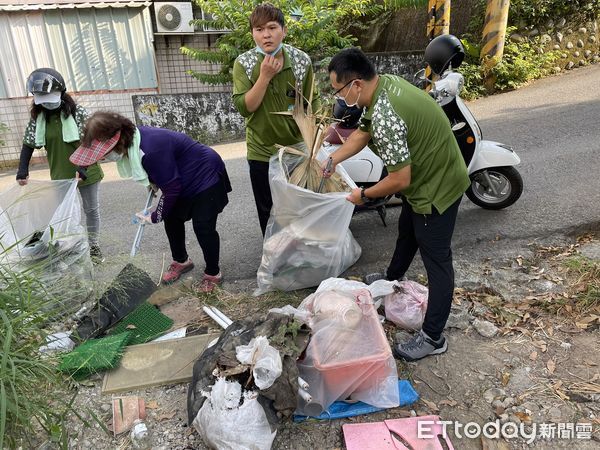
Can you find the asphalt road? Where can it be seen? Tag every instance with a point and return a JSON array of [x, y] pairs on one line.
[[553, 125]]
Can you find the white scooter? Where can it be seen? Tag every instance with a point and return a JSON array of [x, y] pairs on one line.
[[495, 183]]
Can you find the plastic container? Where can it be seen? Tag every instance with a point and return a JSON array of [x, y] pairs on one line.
[[356, 363], [140, 436]]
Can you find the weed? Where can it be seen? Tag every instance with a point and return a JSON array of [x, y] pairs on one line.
[[586, 283]]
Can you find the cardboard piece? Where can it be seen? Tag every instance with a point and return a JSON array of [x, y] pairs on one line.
[[126, 410], [156, 364], [393, 434]]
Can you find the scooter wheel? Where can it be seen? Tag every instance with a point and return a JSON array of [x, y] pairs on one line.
[[505, 189]]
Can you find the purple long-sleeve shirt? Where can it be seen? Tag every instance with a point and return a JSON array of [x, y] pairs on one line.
[[178, 165]]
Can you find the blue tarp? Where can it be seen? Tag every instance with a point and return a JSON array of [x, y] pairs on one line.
[[341, 409]]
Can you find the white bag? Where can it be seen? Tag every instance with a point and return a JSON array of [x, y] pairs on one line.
[[307, 238], [224, 424], [264, 359]]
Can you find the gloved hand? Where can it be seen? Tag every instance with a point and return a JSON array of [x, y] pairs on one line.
[[81, 173], [142, 217]]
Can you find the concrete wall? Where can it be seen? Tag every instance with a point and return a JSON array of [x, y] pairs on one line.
[[209, 118]]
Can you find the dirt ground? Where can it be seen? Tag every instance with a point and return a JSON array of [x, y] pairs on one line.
[[539, 364]]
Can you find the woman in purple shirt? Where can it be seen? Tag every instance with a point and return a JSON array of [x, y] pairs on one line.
[[191, 176]]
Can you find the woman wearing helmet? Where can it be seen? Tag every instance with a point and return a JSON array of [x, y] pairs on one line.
[[57, 125]]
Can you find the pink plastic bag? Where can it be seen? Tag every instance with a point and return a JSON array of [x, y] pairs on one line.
[[406, 307]]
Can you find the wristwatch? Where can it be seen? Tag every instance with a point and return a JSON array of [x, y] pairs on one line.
[[363, 197]]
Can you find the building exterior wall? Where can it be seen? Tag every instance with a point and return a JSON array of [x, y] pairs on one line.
[[172, 64], [106, 55], [93, 48]]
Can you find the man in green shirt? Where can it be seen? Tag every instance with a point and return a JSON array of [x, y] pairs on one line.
[[267, 79], [412, 135]]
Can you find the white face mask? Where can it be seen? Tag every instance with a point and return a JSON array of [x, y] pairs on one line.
[[51, 106], [113, 156], [273, 53], [343, 98]]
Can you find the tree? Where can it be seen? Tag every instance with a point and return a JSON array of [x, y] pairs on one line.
[[316, 27]]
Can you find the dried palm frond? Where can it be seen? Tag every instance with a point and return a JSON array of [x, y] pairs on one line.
[[308, 174]]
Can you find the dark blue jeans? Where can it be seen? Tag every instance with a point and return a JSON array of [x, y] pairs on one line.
[[431, 234]]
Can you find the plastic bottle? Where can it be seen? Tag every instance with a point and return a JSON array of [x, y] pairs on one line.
[[140, 436]]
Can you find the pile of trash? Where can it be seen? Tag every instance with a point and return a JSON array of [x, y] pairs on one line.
[[247, 382], [300, 361]]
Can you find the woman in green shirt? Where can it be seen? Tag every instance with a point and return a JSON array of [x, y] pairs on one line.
[[57, 125]]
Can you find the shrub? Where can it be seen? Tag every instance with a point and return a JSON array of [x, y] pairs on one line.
[[520, 64]]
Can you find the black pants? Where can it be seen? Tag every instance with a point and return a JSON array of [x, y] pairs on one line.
[[259, 178], [431, 234], [203, 210]]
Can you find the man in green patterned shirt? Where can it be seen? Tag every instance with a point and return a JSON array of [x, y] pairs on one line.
[[412, 135], [267, 79]]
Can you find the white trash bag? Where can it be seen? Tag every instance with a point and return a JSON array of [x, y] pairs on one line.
[[264, 359], [225, 424], [307, 238]]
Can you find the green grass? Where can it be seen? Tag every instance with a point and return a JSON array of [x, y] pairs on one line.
[[586, 273], [30, 387], [35, 399]]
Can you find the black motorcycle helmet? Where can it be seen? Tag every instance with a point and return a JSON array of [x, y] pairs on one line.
[[44, 81], [443, 51], [349, 116]]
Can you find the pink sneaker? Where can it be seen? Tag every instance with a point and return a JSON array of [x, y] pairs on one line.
[[209, 282], [175, 271]]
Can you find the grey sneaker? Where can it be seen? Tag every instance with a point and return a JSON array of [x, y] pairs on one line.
[[370, 278], [96, 254], [420, 346]]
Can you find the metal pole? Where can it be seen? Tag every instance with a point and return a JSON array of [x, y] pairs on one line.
[[438, 23], [140, 231], [494, 31]]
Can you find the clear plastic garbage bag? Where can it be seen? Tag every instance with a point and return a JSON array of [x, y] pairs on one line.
[[307, 238], [348, 355], [41, 233]]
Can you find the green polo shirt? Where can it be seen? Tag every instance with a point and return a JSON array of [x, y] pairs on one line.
[[58, 151], [264, 129], [408, 127]]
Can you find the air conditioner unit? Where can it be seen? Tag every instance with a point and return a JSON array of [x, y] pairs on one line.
[[173, 18]]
